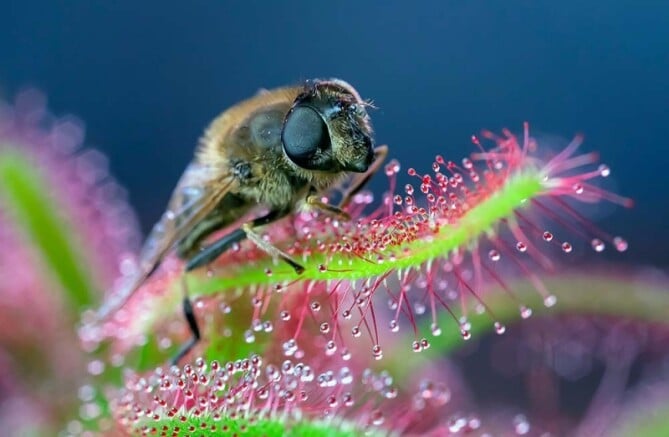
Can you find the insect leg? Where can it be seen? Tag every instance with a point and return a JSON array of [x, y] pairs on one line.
[[189, 314], [315, 201], [215, 249], [357, 184]]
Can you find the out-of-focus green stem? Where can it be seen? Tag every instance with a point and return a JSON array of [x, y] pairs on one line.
[[577, 294], [26, 195]]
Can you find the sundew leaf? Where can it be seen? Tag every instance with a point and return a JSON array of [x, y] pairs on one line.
[[274, 427], [478, 221], [25, 194]]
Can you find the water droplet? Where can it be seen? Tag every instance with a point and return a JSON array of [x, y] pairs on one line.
[[345, 376], [620, 244], [604, 170], [330, 348], [521, 425], [455, 424], [578, 188], [419, 308], [415, 346], [466, 335], [376, 417], [96, 367], [597, 245], [394, 326], [494, 255], [521, 247], [547, 236], [377, 352], [550, 300], [249, 337], [355, 331], [285, 315], [525, 312], [289, 347], [436, 330], [500, 328], [567, 247]]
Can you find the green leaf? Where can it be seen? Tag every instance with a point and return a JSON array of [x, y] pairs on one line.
[[26, 195]]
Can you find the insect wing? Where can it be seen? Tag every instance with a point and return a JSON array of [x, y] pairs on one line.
[[199, 190]]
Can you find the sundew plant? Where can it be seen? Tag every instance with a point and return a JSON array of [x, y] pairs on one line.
[[484, 258]]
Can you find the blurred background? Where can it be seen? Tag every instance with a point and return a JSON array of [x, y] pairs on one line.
[[147, 77]]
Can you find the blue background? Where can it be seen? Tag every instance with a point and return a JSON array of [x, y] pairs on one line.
[[148, 76]]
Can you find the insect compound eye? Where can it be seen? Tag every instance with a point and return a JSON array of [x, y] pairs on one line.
[[304, 135]]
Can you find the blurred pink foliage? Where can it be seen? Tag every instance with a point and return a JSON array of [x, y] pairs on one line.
[[40, 357]]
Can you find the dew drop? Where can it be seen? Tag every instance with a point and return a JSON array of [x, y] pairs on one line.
[[578, 188], [394, 326], [494, 255], [567, 247], [377, 418], [419, 308], [500, 328], [597, 245], [325, 327], [620, 244], [268, 326], [285, 315], [604, 170], [521, 425], [525, 312], [249, 337], [456, 424], [355, 331], [289, 347], [96, 367], [521, 247], [268, 272], [466, 334], [436, 330], [547, 236], [550, 300], [377, 352], [415, 346]]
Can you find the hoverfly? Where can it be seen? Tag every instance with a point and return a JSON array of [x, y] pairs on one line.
[[274, 150]]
